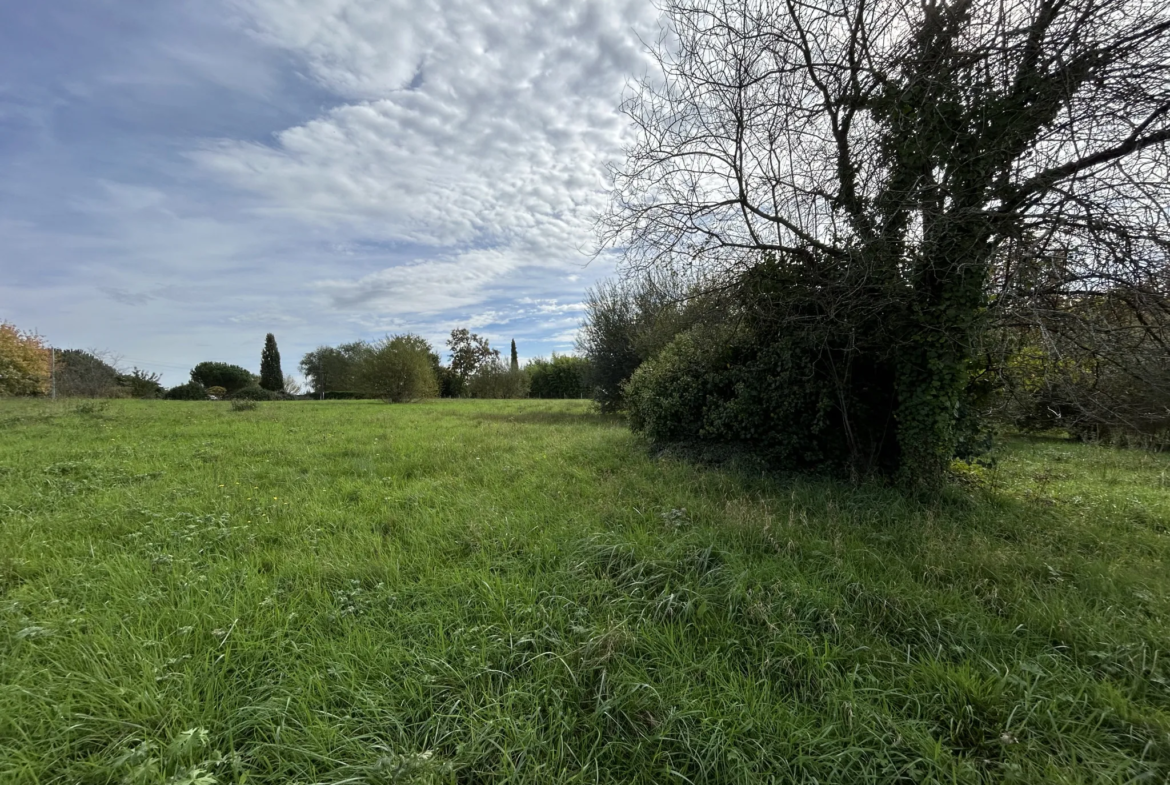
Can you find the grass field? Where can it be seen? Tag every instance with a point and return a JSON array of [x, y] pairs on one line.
[[473, 592]]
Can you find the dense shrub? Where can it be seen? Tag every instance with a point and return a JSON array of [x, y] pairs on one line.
[[725, 385], [217, 392], [564, 376], [253, 392], [629, 322], [230, 377], [399, 369], [191, 391], [82, 374], [494, 379]]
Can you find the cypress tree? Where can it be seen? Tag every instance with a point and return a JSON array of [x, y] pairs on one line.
[[271, 377], [515, 359]]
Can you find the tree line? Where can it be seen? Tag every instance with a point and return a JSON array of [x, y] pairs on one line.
[[406, 367], [396, 368]]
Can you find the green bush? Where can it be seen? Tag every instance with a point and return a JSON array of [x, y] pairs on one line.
[[253, 393], [494, 379], [217, 392], [191, 391], [82, 374], [399, 369], [243, 405], [631, 321], [230, 377], [723, 385], [564, 376]]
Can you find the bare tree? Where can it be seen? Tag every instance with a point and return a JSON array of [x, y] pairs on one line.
[[887, 155]]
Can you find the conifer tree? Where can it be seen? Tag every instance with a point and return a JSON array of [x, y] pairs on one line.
[[515, 359], [271, 377]]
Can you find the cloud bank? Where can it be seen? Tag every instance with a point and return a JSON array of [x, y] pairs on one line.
[[326, 169]]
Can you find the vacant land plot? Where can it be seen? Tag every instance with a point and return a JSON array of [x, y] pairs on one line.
[[352, 592]]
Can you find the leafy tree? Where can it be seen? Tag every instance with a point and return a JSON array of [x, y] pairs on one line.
[[24, 362], [876, 159], [329, 368], [468, 352], [399, 369], [291, 386], [230, 377], [83, 374], [271, 376]]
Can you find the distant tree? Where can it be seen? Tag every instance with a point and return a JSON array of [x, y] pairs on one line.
[[191, 391], [399, 369], [333, 368], [468, 352], [141, 384], [24, 362], [494, 379], [82, 374], [230, 377], [291, 386], [515, 359], [271, 377]]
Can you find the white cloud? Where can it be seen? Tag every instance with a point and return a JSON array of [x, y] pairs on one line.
[[422, 287], [478, 130], [379, 166]]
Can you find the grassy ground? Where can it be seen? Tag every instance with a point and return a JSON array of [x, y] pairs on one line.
[[351, 592]]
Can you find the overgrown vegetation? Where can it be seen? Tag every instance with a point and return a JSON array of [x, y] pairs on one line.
[[878, 184], [465, 591]]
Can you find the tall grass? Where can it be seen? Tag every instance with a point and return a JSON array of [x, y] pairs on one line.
[[472, 592]]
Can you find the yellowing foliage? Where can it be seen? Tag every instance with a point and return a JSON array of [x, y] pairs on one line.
[[24, 362]]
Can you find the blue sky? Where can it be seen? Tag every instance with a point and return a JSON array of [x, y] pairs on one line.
[[181, 178]]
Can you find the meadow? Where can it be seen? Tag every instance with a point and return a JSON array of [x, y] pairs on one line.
[[467, 592]]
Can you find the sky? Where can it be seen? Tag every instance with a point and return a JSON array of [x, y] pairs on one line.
[[180, 178]]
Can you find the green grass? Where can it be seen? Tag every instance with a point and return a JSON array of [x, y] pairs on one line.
[[473, 592]]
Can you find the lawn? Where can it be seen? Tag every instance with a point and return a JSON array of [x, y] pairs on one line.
[[475, 592]]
